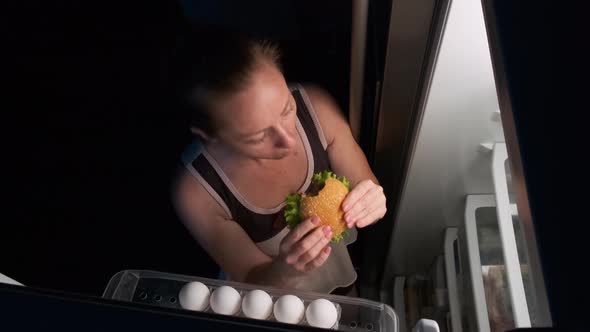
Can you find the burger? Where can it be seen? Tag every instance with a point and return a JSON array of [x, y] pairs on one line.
[[324, 199]]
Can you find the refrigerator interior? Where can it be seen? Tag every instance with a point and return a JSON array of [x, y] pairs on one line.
[[458, 252]]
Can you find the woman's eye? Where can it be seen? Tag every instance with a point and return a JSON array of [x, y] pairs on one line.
[[258, 140], [290, 110]]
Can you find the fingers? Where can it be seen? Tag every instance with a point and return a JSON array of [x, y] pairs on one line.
[[371, 217], [299, 232], [312, 253], [319, 260], [372, 198], [356, 193], [306, 244], [352, 220]]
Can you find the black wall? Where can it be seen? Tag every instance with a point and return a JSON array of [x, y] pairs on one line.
[[92, 141]]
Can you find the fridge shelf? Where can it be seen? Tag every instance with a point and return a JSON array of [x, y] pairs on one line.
[[489, 281], [162, 289], [505, 213]]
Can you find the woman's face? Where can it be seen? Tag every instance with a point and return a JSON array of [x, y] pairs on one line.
[[260, 121]]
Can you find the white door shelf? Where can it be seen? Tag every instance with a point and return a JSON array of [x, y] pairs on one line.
[[490, 262], [504, 213]]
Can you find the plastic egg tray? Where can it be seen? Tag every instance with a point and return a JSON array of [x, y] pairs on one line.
[[162, 289]]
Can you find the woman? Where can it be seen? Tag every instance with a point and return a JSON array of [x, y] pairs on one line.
[[257, 140]]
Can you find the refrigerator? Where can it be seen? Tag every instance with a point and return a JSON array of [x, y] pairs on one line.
[[440, 96], [452, 145]]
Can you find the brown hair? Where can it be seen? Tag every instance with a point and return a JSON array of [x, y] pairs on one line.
[[213, 65]]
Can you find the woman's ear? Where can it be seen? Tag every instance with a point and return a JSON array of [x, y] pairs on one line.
[[202, 134]]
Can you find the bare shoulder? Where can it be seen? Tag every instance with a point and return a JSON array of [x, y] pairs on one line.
[[346, 156], [328, 112], [213, 229]]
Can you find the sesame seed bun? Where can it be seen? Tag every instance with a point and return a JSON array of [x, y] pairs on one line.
[[327, 204]]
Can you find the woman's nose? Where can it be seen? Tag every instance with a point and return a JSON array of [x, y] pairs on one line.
[[285, 138]]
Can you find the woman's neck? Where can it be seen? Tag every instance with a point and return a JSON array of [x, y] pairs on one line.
[[230, 159]]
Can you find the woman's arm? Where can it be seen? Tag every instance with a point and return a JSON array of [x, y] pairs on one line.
[[365, 204], [224, 240], [346, 157], [302, 250]]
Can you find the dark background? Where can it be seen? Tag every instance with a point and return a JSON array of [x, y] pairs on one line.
[[92, 142]]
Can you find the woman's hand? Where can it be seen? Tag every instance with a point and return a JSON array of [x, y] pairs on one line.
[[364, 204], [305, 247]]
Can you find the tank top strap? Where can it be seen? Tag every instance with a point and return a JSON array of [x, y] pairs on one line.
[[312, 127]]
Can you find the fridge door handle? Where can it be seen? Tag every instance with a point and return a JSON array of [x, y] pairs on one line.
[[504, 213]]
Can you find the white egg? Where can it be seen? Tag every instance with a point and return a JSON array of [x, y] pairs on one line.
[[321, 313], [225, 300], [194, 296], [257, 304], [289, 309]]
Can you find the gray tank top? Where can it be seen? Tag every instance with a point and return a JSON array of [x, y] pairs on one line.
[[267, 227]]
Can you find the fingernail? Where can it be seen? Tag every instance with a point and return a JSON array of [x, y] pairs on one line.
[[347, 218], [329, 235], [349, 225], [327, 250], [345, 208], [315, 220], [327, 229]]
